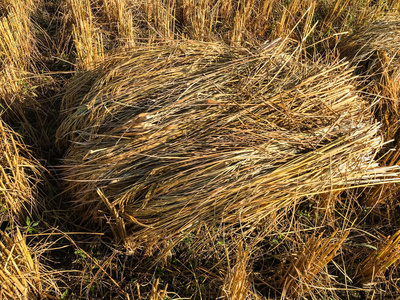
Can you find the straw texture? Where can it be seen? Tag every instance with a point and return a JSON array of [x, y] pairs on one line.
[[168, 137]]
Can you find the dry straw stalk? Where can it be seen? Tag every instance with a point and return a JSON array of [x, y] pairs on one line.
[[237, 284], [375, 265], [100, 26], [87, 40], [374, 49], [19, 174], [19, 272], [176, 135], [17, 49], [301, 277]]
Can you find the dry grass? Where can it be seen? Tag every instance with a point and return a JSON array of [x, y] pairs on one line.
[[375, 265], [375, 48], [156, 293], [20, 278], [88, 41], [119, 19], [178, 135], [21, 275], [101, 26], [252, 22], [232, 166], [237, 283], [19, 175], [17, 50], [98, 27], [300, 278]]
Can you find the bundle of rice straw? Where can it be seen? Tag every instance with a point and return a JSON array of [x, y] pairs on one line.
[[237, 284], [18, 177], [375, 50], [303, 275], [17, 49], [376, 263], [168, 137], [21, 275]]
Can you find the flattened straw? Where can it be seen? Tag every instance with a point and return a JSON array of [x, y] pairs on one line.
[[174, 136]]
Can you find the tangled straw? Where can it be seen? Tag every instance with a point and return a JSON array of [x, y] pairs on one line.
[[168, 137]]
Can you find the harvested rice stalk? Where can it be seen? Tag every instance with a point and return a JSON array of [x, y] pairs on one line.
[[88, 41], [17, 49], [20, 273], [300, 278], [375, 265], [176, 136], [108, 24], [18, 177], [375, 49], [98, 27], [251, 22], [160, 16], [157, 293], [118, 15], [237, 283]]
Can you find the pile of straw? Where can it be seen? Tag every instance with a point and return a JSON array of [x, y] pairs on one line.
[[19, 174], [376, 263], [21, 274], [165, 138], [375, 51]]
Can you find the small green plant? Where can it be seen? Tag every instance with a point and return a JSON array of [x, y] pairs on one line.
[[160, 271], [65, 294], [277, 240], [305, 214], [3, 204], [64, 56], [188, 240], [31, 227], [80, 253]]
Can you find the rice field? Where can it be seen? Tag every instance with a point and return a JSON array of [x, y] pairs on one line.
[[199, 149]]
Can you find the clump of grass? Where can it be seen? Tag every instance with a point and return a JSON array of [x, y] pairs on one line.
[[119, 19], [375, 265], [19, 174], [17, 52], [300, 278], [157, 293], [237, 283], [101, 26], [98, 27], [87, 39], [252, 22], [374, 49], [173, 136], [21, 274]]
